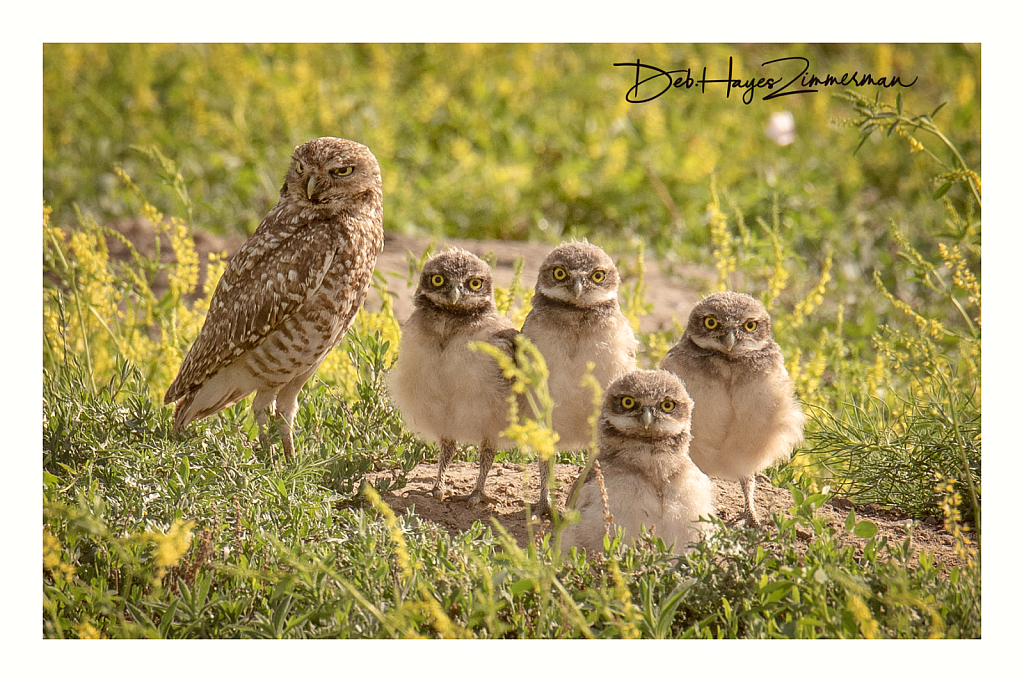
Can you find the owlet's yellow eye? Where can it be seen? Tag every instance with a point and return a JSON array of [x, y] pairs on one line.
[[597, 276], [751, 325], [560, 274], [710, 322], [298, 167], [667, 405], [342, 172], [627, 403], [437, 280], [476, 283]]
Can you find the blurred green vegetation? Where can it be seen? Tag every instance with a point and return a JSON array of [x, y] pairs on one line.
[[519, 142], [510, 141]]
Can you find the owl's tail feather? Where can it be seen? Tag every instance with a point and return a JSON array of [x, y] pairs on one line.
[[182, 410], [187, 410]]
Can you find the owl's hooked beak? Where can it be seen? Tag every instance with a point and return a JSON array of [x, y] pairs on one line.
[[311, 189], [647, 417], [454, 294], [729, 340], [577, 287]]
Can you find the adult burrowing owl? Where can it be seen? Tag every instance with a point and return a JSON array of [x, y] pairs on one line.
[[745, 416], [648, 475], [575, 319], [445, 391], [290, 292]]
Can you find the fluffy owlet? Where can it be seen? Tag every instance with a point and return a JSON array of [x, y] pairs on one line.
[[745, 417], [648, 476], [445, 391], [575, 319], [291, 292]]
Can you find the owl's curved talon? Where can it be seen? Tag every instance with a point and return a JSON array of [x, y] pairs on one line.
[[476, 498], [542, 510]]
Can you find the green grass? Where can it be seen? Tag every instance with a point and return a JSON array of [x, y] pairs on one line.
[[868, 262], [275, 552]]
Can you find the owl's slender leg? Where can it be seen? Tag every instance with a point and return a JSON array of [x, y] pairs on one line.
[[750, 514], [544, 503], [487, 453], [287, 406], [285, 427], [440, 489], [262, 406]]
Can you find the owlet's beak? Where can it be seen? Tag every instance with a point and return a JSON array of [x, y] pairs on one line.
[[729, 340], [454, 294], [577, 287], [311, 191], [647, 417]]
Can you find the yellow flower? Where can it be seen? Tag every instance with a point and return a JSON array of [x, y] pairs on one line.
[[86, 630], [172, 545], [51, 550], [721, 240], [861, 613]]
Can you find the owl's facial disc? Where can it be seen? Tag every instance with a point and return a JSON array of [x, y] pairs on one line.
[[454, 291], [452, 298], [645, 415], [320, 184], [728, 342], [578, 288], [646, 420]]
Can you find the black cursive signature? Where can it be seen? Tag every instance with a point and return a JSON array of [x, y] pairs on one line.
[[799, 84]]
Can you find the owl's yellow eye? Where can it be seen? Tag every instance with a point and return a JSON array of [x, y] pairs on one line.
[[667, 405], [476, 283], [597, 276], [627, 403], [342, 172], [298, 167], [710, 322], [560, 274], [437, 280], [751, 325]]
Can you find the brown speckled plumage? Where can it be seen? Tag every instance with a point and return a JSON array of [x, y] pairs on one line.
[[292, 290]]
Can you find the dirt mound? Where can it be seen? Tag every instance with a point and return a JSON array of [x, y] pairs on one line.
[[512, 485]]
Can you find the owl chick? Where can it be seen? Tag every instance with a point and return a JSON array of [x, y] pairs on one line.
[[574, 320], [648, 475], [745, 417], [291, 292], [445, 391]]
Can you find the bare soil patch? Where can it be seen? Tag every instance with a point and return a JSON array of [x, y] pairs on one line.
[[513, 485]]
